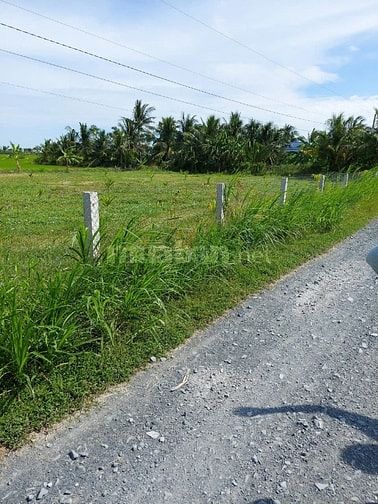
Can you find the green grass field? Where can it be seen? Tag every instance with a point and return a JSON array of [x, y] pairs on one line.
[[41, 207], [70, 329]]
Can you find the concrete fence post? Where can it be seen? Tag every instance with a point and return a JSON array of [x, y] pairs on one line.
[[284, 184], [322, 183], [220, 203], [346, 179], [92, 221]]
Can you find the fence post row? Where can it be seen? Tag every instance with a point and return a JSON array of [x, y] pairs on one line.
[[92, 212], [284, 184], [220, 203], [92, 221], [322, 183]]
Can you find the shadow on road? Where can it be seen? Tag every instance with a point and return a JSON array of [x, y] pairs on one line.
[[263, 501], [360, 456]]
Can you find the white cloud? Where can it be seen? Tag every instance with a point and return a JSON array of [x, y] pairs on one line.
[[315, 73], [299, 37]]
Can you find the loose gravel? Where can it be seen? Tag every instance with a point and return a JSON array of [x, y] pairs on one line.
[[272, 404]]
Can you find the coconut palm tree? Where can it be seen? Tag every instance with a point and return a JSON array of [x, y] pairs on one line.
[[166, 138], [85, 138], [187, 123], [138, 133], [234, 126]]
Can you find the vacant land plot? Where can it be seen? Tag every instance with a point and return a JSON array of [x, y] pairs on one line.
[[41, 207], [69, 332]]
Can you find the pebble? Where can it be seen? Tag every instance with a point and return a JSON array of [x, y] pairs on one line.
[[153, 358], [29, 498], [283, 485], [321, 486], [318, 422], [153, 434], [73, 455], [66, 500], [42, 493]]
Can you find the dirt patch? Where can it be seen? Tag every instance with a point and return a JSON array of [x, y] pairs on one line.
[[3, 453]]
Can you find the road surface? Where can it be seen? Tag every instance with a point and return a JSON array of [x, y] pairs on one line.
[[273, 403]]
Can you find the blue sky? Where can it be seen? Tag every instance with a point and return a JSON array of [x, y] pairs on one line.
[[333, 44]]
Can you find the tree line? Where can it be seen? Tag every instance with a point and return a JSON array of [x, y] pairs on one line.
[[212, 145]]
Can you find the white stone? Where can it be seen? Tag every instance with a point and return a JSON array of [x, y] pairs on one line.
[[153, 434]]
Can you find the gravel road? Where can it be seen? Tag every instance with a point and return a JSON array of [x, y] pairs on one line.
[[273, 403]]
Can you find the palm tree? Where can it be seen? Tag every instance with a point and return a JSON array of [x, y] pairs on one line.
[[71, 135], [101, 148], [166, 139], [142, 117], [211, 126], [186, 124], [120, 146], [85, 137], [138, 133], [343, 137], [234, 125]]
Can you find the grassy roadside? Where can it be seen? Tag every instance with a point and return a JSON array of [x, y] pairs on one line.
[[66, 387]]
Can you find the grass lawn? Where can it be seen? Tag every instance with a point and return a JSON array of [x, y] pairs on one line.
[[69, 330]]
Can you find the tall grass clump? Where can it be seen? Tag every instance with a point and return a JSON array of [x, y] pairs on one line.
[[262, 222], [54, 324]]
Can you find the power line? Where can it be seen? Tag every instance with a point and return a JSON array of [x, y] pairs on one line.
[[150, 74], [60, 95], [249, 48], [137, 51], [110, 81], [83, 100]]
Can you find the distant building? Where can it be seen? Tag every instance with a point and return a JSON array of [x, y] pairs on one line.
[[294, 146]]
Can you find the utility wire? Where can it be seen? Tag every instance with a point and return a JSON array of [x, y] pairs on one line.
[[174, 65], [150, 74], [60, 95], [245, 46], [110, 81], [83, 100]]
